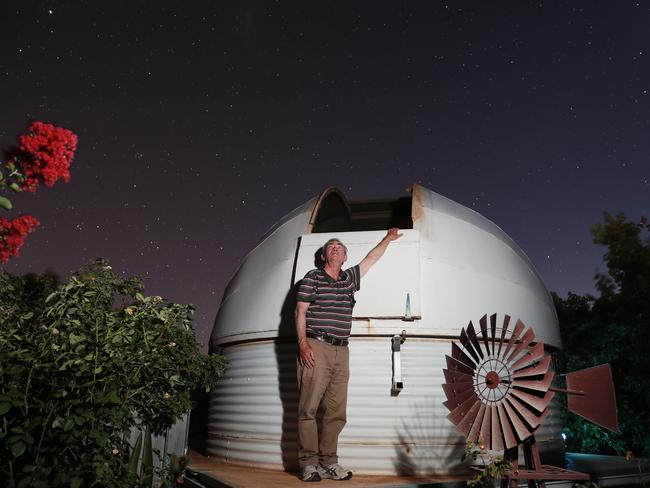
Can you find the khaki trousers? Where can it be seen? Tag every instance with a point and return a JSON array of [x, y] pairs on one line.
[[327, 384]]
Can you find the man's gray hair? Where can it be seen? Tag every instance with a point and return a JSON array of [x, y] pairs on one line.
[[334, 239]]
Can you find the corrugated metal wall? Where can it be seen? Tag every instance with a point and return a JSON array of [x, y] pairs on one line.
[[253, 410]]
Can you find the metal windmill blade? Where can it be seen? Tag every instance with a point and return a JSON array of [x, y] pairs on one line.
[[498, 383]]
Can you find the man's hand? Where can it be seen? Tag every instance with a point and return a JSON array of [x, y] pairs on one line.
[[393, 234], [306, 354]]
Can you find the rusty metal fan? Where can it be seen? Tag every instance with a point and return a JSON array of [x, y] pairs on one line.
[[497, 384], [498, 388]]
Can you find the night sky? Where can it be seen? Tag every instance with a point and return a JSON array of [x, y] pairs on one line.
[[202, 123]]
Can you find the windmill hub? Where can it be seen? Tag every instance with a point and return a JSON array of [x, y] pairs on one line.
[[492, 379]]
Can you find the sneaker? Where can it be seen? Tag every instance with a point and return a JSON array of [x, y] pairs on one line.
[[334, 472], [310, 473]]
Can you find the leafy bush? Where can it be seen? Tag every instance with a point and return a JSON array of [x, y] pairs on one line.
[[80, 365]]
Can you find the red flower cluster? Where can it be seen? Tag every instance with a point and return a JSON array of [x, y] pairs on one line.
[[13, 233], [49, 150]]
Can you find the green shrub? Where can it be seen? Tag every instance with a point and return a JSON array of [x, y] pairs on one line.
[[80, 365]]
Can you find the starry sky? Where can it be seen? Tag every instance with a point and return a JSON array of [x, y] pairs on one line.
[[202, 123]]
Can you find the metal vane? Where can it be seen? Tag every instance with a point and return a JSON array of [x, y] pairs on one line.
[[498, 389]]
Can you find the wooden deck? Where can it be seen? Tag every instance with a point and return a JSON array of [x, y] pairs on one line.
[[211, 473]]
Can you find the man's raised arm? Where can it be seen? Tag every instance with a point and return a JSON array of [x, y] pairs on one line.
[[378, 251]]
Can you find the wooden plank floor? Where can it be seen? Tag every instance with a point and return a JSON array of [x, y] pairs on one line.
[[233, 476]]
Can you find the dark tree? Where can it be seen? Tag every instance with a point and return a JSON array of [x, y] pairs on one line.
[[614, 328]]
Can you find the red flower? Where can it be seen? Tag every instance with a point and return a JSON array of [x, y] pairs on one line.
[[49, 150], [13, 233]]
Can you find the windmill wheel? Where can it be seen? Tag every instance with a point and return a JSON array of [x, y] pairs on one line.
[[497, 386]]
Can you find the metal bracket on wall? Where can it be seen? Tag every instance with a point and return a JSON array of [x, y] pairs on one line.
[[407, 310], [396, 345]]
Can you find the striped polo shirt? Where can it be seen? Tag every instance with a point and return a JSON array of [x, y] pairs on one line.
[[330, 301]]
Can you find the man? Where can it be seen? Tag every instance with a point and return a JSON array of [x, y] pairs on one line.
[[323, 321]]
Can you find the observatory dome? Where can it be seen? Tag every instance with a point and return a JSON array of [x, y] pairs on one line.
[[452, 265]]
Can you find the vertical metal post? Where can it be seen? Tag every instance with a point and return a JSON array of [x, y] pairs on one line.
[[396, 345]]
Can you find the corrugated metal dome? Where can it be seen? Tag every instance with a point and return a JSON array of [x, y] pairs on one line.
[[452, 265]]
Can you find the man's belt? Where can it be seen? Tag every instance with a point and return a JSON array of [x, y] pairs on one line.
[[323, 337]]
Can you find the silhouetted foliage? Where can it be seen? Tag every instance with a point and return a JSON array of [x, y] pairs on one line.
[[614, 328]]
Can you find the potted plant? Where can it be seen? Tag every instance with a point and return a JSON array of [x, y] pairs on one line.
[[493, 466]]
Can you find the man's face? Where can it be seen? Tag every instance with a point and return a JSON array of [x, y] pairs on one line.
[[334, 253]]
